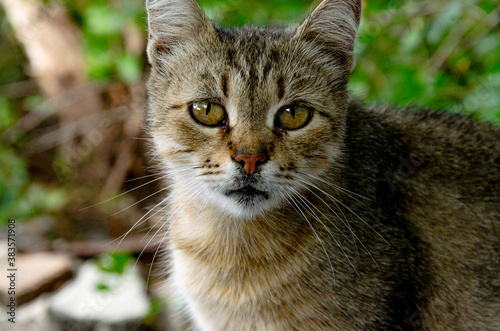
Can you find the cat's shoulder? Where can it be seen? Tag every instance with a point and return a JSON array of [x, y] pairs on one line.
[[423, 123]]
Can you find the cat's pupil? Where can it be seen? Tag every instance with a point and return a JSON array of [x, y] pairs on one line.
[[291, 110], [208, 105]]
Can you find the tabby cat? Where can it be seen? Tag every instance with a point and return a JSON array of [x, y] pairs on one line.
[[294, 207]]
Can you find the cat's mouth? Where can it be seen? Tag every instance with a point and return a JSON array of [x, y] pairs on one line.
[[247, 195]]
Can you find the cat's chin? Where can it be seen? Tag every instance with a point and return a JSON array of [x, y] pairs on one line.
[[244, 203], [247, 195]]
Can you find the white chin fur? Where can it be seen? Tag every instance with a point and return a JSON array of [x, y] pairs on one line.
[[232, 207], [212, 195]]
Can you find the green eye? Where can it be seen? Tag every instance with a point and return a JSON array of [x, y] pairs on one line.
[[208, 113], [292, 117]]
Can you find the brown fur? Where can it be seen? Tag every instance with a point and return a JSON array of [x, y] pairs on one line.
[[375, 218]]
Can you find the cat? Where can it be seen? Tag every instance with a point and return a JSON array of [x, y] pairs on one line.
[[294, 207]]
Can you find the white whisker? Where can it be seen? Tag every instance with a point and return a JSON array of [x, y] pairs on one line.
[[149, 196], [333, 199], [312, 228], [121, 194], [192, 197], [142, 177], [298, 194], [350, 193], [340, 202]]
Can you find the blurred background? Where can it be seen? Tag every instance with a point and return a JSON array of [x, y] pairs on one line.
[[74, 170]]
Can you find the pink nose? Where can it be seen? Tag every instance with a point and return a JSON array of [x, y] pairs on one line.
[[250, 162]]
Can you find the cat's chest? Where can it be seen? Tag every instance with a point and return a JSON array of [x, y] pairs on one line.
[[237, 271], [203, 282], [232, 280], [249, 272], [235, 298]]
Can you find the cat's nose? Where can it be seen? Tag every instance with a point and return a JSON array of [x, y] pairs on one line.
[[250, 162]]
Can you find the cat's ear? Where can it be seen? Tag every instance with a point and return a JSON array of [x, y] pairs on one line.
[[173, 23], [334, 26]]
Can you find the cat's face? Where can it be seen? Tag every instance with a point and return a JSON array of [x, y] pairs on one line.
[[245, 117]]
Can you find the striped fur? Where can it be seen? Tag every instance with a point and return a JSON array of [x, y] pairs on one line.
[[372, 218]]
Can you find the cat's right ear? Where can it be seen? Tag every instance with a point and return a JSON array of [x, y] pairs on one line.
[[172, 24]]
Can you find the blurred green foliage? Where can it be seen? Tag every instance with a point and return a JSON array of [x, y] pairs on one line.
[[116, 262], [103, 24], [19, 197], [438, 54], [112, 263], [257, 12]]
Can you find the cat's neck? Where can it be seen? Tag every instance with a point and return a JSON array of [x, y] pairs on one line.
[[204, 231]]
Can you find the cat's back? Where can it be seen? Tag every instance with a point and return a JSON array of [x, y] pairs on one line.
[[448, 152], [455, 151], [440, 173]]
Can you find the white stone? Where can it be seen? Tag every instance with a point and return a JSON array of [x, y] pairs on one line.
[[81, 300]]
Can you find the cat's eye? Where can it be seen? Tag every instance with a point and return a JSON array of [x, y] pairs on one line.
[[292, 117], [208, 113]]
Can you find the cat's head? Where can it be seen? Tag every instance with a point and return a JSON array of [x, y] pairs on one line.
[[245, 117]]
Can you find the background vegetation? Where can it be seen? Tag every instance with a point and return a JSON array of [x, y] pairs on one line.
[[439, 54]]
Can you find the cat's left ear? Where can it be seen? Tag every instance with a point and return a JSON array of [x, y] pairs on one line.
[[174, 24], [334, 26]]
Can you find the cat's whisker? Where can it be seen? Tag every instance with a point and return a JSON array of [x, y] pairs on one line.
[[121, 194], [157, 248], [297, 208], [154, 156], [138, 178], [333, 199], [139, 201], [152, 227], [178, 170], [140, 138], [209, 173], [346, 223], [166, 233], [136, 224], [307, 204], [350, 193], [170, 214], [343, 220], [139, 222], [192, 187], [349, 209]]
